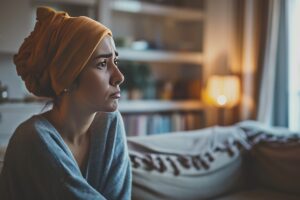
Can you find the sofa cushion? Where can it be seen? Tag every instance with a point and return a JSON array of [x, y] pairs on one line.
[[199, 164], [3, 143], [2, 153], [275, 157], [277, 166], [259, 194]]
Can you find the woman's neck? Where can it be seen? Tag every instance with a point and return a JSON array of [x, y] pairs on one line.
[[71, 122]]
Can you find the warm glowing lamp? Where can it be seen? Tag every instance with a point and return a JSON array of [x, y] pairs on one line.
[[223, 92]]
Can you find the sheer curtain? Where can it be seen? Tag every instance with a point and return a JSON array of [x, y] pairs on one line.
[[264, 60], [294, 64], [252, 22], [274, 98]]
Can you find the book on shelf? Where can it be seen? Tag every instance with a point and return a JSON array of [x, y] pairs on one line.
[[159, 123]]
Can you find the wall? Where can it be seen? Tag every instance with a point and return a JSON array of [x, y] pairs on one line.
[[9, 77], [16, 22], [17, 19], [219, 46]]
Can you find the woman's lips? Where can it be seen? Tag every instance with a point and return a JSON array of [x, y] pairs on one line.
[[116, 95]]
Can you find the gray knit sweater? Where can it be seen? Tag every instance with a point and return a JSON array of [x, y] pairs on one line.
[[39, 165]]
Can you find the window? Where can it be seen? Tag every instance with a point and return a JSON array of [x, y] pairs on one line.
[[294, 64]]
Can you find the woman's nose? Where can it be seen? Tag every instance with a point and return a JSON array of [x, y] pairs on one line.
[[117, 77]]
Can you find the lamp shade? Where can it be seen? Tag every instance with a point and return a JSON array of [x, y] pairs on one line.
[[223, 91]]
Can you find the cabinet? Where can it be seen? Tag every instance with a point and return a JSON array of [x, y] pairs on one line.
[[166, 39]]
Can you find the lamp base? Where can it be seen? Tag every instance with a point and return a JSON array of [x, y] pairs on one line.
[[221, 114]]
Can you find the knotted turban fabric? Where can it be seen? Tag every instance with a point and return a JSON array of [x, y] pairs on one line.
[[56, 51]]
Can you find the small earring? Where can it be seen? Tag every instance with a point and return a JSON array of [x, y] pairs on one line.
[[66, 90]]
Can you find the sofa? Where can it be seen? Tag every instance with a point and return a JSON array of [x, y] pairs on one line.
[[245, 161]]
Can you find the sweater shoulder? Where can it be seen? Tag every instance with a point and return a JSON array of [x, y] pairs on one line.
[[34, 130]]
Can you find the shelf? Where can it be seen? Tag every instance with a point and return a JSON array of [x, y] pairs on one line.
[[71, 2], [160, 56], [142, 106], [157, 10], [127, 106]]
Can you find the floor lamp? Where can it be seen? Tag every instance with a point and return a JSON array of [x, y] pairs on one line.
[[224, 93]]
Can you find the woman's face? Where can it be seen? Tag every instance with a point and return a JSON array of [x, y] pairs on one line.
[[99, 81]]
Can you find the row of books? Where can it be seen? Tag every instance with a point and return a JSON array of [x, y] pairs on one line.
[[148, 124]]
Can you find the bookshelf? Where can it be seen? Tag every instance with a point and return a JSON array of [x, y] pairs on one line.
[[185, 34], [149, 123], [73, 7], [140, 7], [156, 117], [151, 106], [172, 36], [70, 2], [160, 56]]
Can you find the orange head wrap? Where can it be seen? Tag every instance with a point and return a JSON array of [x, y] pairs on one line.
[[56, 51]]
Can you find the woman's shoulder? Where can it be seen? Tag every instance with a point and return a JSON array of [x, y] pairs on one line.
[[34, 129], [36, 123]]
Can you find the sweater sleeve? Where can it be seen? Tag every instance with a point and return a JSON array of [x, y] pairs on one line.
[[38, 166]]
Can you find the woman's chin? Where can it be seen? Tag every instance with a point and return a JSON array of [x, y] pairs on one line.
[[108, 107], [112, 107], [111, 110]]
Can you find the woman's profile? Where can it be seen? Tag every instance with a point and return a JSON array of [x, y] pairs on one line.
[[76, 150]]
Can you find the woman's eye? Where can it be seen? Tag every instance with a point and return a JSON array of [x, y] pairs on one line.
[[116, 61], [101, 64]]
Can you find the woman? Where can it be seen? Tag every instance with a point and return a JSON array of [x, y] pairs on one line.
[[72, 151]]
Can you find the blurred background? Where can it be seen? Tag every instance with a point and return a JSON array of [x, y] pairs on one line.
[[188, 64]]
